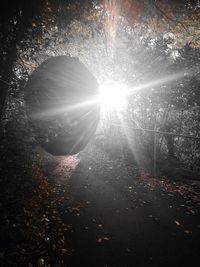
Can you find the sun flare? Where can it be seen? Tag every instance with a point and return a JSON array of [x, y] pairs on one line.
[[113, 97]]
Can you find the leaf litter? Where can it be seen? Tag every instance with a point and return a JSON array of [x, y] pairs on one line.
[[167, 185]]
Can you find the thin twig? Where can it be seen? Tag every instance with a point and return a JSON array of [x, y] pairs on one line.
[[160, 132], [4, 81]]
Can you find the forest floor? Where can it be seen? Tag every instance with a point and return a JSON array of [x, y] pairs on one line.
[[94, 210]]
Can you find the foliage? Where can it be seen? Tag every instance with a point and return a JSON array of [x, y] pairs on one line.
[[135, 42], [131, 41]]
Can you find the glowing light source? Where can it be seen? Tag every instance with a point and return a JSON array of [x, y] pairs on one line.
[[113, 97]]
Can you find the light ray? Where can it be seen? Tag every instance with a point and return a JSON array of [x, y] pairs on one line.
[[112, 97], [112, 12], [83, 135], [128, 137], [160, 81], [63, 109]]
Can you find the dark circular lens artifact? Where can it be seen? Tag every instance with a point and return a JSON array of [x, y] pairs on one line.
[[62, 107]]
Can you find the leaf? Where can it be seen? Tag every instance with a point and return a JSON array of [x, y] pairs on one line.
[[99, 240], [192, 211], [103, 238], [40, 262], [63, 250], [188, 231], [177, 223], [45, 220]]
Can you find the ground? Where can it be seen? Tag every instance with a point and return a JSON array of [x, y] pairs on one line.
[[95, 210]]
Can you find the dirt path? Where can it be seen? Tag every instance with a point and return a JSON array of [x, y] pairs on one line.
[[95, 211], [121, 221]]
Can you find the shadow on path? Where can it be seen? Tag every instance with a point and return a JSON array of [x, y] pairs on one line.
[[120, 222]]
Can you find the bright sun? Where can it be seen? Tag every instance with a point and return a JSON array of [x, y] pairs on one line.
[[113, 97]]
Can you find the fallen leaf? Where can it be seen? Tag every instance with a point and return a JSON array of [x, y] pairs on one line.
[[188, 231], [40, 262], [177, 223], [192, 211], [63, 250], [103, 238], [45, 220]]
